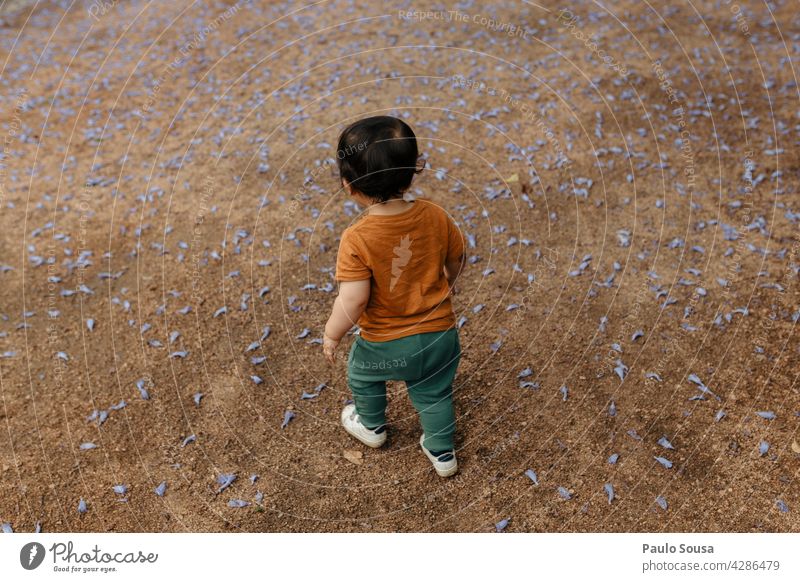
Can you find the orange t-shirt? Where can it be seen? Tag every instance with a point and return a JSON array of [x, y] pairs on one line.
[[403, 255]]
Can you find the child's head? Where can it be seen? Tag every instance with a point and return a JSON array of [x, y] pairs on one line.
[[378, 157]]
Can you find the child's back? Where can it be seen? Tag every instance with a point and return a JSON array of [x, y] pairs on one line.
[[403, 255]]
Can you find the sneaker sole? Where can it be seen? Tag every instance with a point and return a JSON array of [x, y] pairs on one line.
[[441, 472], [373, 444]]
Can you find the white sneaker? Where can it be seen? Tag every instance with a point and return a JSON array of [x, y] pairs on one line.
[[445, 465], [352, 424]]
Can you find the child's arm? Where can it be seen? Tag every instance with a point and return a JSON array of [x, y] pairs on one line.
[[347, 308], [455, 255]]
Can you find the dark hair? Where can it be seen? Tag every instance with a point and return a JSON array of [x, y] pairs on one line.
[[379, 157]]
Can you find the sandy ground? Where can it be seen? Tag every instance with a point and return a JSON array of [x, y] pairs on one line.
[[628, 182]]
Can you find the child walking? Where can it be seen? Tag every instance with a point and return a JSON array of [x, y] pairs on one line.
[[396, 269]]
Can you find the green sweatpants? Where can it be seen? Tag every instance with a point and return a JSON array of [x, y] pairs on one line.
[[426, 362]]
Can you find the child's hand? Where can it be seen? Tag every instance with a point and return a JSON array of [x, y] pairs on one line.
[[329, 347]]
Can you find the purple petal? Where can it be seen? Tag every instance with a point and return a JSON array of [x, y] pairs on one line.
[[287, 417], [225, 480], [664, 442], [634, 435], [140, 384], [664, 461], [609, 489], [621, 369]]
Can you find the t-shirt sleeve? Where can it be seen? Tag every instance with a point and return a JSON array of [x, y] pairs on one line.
[[455, 241], [350, 260]]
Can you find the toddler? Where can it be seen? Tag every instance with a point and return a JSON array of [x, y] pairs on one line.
[[396, 268]]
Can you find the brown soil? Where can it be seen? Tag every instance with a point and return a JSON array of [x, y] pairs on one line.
[[170, 145]]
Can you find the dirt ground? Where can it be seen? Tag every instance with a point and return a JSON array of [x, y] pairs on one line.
[[627, 179]]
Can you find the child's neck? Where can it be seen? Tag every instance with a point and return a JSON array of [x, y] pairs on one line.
[[390, 207]]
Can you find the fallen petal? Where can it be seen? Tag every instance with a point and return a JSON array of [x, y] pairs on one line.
[[664, 461]]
